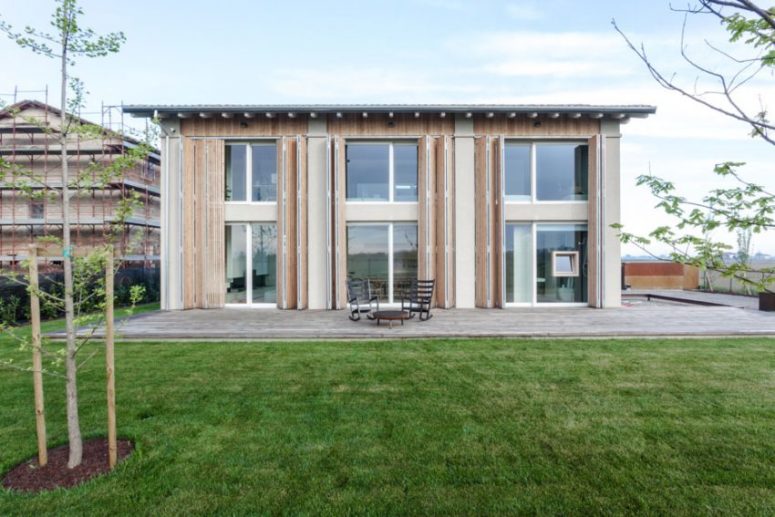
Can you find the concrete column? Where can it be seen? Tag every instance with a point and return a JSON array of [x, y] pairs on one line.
[[465, 220], [171, 177], [612, 253], [316, 213]]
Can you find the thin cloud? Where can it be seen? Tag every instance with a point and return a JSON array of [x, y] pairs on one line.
[[524, 12]]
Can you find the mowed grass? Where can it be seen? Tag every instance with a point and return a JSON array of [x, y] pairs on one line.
[[419, 427]]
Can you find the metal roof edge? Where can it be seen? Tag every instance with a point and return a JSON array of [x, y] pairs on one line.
[[149, 110]]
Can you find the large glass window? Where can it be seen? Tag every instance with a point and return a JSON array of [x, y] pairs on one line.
[[545, 263], [405, 172], [264, 264], [517, 172], [384, 254], [251, 171], [561, 171], [519, 263], [381, 171], [251, 247], [264, 172], [236, 172], [554, 285], [236, 263], [546, 171]]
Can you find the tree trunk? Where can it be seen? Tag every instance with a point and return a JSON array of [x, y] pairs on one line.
[[71, 367]]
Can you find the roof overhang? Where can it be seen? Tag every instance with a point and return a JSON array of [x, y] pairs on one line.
[[616, 112]]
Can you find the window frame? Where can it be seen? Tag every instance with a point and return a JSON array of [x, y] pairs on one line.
[[534, 171], [534, 227], [249, 304], [391, 300], [391, 172], [249, 170], [34, 204]]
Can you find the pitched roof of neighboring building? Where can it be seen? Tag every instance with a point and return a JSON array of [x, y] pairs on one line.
[[13, 109]]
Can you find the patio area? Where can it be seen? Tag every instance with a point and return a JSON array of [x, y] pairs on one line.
[[635, 318]]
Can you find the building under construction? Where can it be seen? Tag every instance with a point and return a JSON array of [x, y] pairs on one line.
[[30, 140]]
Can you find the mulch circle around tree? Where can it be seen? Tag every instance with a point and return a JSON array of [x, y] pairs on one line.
[[29, 477]]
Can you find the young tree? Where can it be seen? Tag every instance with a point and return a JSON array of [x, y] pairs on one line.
[[746, 206], [67, 42]]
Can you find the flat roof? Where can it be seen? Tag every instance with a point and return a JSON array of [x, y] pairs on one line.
[[532, 110]]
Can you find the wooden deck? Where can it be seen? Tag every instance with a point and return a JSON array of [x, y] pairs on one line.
[[636, 319]]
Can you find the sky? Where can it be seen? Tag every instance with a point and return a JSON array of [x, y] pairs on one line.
[[422, 51]]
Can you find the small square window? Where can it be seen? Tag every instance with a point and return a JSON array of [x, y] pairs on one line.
[[565, 263]]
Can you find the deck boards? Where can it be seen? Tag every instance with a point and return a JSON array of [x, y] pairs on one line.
[[645, 319]]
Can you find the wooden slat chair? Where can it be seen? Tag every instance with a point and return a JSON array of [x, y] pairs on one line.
[[419, 298], [360, 299]]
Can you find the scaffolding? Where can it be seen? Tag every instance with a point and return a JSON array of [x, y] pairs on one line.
[[30, 139]]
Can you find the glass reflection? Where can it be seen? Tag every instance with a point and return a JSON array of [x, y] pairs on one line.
[[264, 243], [236, 169], [236, 264], [517, 172], [405, 172], [561, 172], [404, 258], [368, 173], [560, 289], [264, 177], [519, 263], [367, 256]]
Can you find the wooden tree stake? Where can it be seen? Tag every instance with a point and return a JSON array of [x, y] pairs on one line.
[[37, 359], [110, 361]]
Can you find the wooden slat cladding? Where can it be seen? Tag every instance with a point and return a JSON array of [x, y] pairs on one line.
[[338, 223], [301, 224], [593, 219], [216, 125], [215, 266], [200, 225], [402, 124], [287, 270], [426, 196], [203, 224], [486, 224], [444, 212], [538, 127], [189, 223]]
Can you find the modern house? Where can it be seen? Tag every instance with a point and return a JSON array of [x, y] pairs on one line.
[[504, 205], [29, 139]]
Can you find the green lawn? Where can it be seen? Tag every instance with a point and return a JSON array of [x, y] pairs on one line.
[[419, 427]]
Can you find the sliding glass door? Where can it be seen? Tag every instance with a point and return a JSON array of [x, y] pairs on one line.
[[545, 263], [251, 264], [385, 254]]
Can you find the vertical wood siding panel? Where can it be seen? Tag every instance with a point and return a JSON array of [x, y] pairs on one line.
[[189, 214], [480, 209], [281, 222], [215, 273], [290, 224], [200, 213], [523, 126], [440, 221]]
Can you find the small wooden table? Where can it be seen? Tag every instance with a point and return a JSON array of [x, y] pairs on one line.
[[391, 316]]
